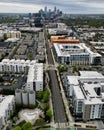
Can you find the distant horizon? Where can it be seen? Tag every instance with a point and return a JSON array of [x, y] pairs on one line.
[[37, 12], [66, 6]]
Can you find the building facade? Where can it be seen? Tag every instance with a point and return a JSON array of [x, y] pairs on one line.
[[7, 105], [76, 54], [35, 77], [87, 95], [34, 71], [12, 34]]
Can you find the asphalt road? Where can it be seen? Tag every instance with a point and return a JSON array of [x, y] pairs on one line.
[[48, 51], [59, 112], [58, 107]]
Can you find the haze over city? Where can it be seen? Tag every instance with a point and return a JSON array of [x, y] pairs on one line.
[[67, 6]]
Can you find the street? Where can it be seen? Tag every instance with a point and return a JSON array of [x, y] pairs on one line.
[[58, 107], [59, 112]]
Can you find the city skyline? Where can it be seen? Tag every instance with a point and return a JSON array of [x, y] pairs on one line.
[[71, 7]]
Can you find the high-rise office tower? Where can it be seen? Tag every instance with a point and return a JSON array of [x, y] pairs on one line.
[[45, 9]]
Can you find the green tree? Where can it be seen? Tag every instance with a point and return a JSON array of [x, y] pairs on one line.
[[46, 95], [75, 69], [7, 92], [62, 68], [30, 55], [94, 129], [49, 114], [45, 106], [79, 68], [48, 36], [40, 95], [17, 128], [1, 79], [27, 126], [40, 122], [41, 128]]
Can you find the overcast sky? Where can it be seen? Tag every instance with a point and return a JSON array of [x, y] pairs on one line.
[[67, 6]]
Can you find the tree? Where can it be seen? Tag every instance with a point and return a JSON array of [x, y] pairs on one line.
[[46, 95], [79, 68], [94, 129], [40, 122], [7, 92], [41, 128], [48, 36], [17, 128], [40, 95], [45, 106], [30, 55], [1, 79], [27, 126], [62, 68], [49, 114], [75, 69]]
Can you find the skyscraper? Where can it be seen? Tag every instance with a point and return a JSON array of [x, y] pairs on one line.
[[45, 9], [55, 9]]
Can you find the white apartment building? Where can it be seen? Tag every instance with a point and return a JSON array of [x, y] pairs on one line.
[[58, 29], [16, 66], [1, 34], [87, 94], [34, 70], [25, 97], [35, 77], [76, 54], [12, 34], [7, 106]]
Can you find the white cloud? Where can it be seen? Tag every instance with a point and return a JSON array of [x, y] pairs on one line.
[[18, 7], [68, 6]]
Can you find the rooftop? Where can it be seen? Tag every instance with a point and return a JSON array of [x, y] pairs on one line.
[[35, 73], [73, 49], [87, 89], [62, 39], [73, 80], [91, 74], [4, 102], [78, 93]]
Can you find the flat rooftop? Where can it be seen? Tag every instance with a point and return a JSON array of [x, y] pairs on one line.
[[78, 93], [35, 73], [70, 49], [73, 80], [62, 39], [4, 103], [90, 74], [87, 89]]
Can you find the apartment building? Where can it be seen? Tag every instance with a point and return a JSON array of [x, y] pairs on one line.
[[7, 106], [58, 29], [35, 77], [16, 66], [76, 54], [86, 92], [12, 34], [64, 40], [34, 70]]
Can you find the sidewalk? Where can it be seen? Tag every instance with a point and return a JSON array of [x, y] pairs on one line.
[[50, 101]]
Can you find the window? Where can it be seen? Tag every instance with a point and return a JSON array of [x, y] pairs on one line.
[[80, 106]]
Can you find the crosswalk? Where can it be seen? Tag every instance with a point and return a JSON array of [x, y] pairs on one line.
[[49, 67], [62, 125]]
